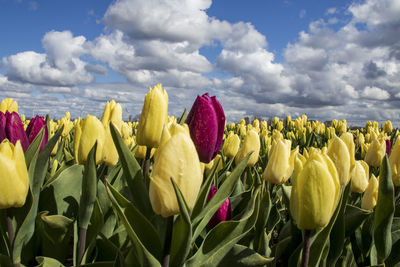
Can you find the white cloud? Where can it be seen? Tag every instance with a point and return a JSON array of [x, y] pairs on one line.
[[60, 65], [373, 92]]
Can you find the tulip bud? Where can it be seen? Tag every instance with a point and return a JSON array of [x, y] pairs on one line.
[[12, 128], [370, 197], [224, 212], [34, 127], [339, 154], [231, 145], [315, 191], [360, 139], [387, 127], [14, 180], [8, 104], [177, 159], [394, 162], [359, 177], [112, 113], [388, 146], [348, 139], [375, 153], [250, 143], [206, 122], [280, 162], [87, 133], [153, 117]]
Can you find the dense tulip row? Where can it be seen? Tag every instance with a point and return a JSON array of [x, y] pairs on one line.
[[196, 191]]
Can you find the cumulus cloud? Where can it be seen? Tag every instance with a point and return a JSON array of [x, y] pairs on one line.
[[373, 92], [60, 65], [350, 65]]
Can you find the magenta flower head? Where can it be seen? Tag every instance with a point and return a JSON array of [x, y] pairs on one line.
[[224, 213], [3, 120], [388, 146], [34, 127], [206, 121], [11, 127]]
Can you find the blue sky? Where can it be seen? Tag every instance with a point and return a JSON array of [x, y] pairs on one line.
[[328, 59]]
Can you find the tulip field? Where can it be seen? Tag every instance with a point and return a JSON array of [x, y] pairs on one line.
[[196, 190]]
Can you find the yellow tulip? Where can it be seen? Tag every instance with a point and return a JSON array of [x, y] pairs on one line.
[[112, 113], [231, 145], [388, 127], [14, 180], [177, 158], [280, 162], [394, 162], [370, 197], [250, 143], [315, 191], [360, 139], [8, 104], [87, 133], [348, 139], [339, 154], [359, 177], [153, 117], [208, 167], [376, 151]]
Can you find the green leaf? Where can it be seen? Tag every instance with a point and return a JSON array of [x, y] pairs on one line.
[[38, 166], [55, 232], [242, 256], [354, 218], [34, 147], [182, 231], [139, 229], [265, 208], [222, 238], [384, 212], [133, 174], [204, 190], [89, 189], [48, 262], [394, 256], [202, 219], [183, 117], [337, 235], [62, 195]]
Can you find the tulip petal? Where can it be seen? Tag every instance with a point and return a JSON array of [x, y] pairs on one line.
[[2, 126], [221, 124], [15, 130], [203, 125]]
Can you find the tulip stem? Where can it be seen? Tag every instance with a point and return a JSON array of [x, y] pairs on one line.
[[10, 230], [82, 242], [146, 166], [168, 240], [306, 248]]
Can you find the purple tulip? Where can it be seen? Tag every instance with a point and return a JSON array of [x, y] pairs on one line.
[[388, 146], [12, 128], [3, 120], [224, 212], [206, 121], [34, 128]]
